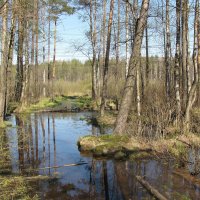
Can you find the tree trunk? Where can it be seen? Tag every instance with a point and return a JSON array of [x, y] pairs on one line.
[[20, 67], [135, 17], [138, 86], [103, 41], [134, 62], [163, 29], [104, 28], [10, 57], [177, 60], [43, 49], [167, 52], [36, 49], [93, 37], [127, 38], [49, 54], [105, 70], [147, 57], [24, 96], [196, 62], [54, 59], [118, 35], [117, 55], [33, 50], [3, 60], [184, 53]]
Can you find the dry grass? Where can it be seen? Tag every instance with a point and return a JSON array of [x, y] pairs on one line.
[[76, 88]]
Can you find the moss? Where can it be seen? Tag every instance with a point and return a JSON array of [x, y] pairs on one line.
[[107, 145], [46, 103], [5, 124]]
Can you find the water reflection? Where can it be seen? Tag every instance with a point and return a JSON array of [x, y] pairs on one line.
[[194, 161], [49, 139]]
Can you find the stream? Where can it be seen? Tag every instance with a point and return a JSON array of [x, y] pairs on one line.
[[49, 139]]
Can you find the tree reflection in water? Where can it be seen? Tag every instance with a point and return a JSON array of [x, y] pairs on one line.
[[49, 139]]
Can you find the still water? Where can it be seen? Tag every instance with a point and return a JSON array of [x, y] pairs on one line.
[[49, 139]]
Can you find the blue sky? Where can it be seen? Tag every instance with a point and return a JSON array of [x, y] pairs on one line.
[[70, 30]]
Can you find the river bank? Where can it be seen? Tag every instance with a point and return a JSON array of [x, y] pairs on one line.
[[127, 147]]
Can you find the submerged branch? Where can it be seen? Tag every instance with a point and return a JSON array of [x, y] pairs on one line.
[[67, 165], [150, 189]]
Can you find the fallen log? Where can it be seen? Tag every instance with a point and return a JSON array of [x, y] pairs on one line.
[[150, 189]]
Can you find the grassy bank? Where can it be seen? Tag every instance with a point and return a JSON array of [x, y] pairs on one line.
[[126, 147], [16, 187], [59, 104], [5, 124]]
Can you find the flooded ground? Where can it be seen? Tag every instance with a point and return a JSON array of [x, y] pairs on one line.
[[49, 139]]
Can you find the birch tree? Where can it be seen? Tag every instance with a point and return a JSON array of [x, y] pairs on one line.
[[167, 51], [177, 60]]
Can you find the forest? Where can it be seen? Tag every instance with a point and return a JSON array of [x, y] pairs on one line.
[[121, 123]]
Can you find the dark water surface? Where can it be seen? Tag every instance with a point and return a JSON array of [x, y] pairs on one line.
[[49, 139]]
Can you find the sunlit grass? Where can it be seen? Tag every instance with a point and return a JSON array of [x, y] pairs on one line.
[[61, 103]]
